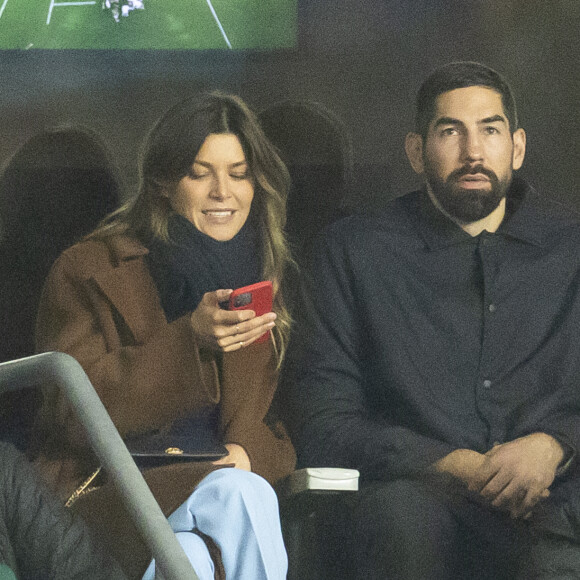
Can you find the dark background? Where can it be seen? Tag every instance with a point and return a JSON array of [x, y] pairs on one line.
[[363, 59]]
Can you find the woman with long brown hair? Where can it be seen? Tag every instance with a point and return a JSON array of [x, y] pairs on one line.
[[137, 303]]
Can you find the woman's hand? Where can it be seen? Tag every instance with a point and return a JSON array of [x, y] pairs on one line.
[[227, 330], [236, 455]]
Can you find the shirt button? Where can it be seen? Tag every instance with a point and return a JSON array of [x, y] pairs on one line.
[[487, 383], [491, 308]]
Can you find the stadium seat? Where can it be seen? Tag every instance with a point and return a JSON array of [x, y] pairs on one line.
[[61, 176], [316, 147], [314, 511]]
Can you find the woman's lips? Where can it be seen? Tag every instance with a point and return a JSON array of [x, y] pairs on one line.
[[218, 213]]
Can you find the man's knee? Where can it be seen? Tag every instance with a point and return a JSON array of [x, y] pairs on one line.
[[403, 505], [402, 530]]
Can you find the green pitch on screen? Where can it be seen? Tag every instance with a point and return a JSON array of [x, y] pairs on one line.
[[163, 24]]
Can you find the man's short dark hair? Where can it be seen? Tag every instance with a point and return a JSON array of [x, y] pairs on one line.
[[458, 75]]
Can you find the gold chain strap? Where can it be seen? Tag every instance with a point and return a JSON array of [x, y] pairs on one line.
[[83, 488]]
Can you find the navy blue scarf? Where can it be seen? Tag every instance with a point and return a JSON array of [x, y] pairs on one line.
[[193, 263]]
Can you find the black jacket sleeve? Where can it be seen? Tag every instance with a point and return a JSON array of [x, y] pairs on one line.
[[40, 538]]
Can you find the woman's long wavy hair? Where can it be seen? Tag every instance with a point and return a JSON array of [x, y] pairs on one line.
[[169, 152]]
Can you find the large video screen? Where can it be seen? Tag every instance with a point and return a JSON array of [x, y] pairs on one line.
[[148, 24]]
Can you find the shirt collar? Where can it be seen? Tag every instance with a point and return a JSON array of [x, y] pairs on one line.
[[524, 220]]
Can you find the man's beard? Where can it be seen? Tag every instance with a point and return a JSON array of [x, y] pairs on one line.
[[467, 205]]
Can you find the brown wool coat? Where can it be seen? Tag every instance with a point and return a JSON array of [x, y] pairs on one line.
[[100, 305]]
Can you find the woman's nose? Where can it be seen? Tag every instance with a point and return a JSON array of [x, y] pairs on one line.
[[220, 188]]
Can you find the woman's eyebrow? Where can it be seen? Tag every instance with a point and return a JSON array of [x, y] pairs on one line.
[[208, 164]]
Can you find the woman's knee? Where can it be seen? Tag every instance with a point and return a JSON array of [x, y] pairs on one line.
[[221, 494], [232, 483]]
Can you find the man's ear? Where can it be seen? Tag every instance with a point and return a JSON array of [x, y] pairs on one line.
[[519, 139], [414, 150]]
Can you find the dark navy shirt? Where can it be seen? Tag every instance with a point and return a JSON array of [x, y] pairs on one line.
[[417, 339]]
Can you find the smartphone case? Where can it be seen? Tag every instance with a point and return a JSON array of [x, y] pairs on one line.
[[256, 297]]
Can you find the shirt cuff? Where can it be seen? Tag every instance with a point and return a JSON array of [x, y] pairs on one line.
[[569, 456]]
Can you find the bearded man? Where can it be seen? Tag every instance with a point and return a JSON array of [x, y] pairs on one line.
[[438, 352]]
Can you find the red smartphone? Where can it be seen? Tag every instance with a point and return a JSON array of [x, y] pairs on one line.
[[256, 297]]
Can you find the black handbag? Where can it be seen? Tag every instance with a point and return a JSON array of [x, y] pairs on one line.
[[192, 438]]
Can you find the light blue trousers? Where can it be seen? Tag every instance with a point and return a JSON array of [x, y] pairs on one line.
[[239, 511]]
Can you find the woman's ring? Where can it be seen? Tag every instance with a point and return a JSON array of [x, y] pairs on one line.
[[241, 343]]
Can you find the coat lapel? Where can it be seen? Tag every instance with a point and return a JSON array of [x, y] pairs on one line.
[[131, 290]]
